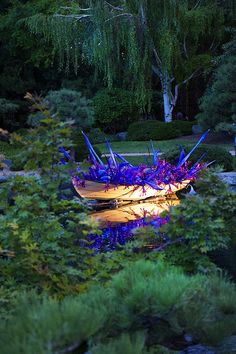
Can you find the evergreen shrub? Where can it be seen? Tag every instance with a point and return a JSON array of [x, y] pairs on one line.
[[144, 305], [184, 126], [152, 130], [70, 105], [218, 102], [115, 109], [212, 153]]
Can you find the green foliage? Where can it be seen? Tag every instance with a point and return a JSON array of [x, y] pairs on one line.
[[144, 305], [123, 42], [25, 64], [201, 223], [7, 106], [213, 153], [185, 127], [69, 105], [218, 103], [38, 246], [126, 343], [152, 130], [96, 136], [40, 148], [80, 148], [115, 109]]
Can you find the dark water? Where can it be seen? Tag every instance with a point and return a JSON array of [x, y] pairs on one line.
[[226, 260], [118, 225]]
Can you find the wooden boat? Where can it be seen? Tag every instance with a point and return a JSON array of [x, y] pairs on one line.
[[98, 191], [133, 211]]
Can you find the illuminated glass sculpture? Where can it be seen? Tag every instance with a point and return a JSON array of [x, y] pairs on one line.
[[120, 180]]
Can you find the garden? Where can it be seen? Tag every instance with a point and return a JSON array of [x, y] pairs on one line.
[[117, 177]]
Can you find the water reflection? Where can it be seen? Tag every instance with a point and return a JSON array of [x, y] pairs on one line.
[[118, 225]]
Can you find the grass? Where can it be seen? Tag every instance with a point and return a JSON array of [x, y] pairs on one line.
[[142, 146]]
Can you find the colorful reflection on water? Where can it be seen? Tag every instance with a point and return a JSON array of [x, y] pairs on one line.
[[118, 225]]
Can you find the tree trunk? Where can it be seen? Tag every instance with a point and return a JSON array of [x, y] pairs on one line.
[[167, 99], [167, 107]]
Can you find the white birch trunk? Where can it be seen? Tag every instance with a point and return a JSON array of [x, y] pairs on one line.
[[167, 107], [167, 98]]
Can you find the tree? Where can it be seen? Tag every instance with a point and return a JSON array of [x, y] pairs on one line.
[[69, 105], [168, 38], [218, 105]]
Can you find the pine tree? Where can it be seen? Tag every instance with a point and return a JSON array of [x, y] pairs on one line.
[[218, 104]]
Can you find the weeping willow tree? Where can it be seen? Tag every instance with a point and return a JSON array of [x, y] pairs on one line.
[[170, 39]]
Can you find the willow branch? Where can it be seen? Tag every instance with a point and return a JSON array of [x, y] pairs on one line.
[[76, 17], [197, 4], [70, 348], [125, 14], [190, 77], [117, 8], [185, 48], [158, 60]]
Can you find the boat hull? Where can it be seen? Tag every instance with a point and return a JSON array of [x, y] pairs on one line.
[[98, 191]]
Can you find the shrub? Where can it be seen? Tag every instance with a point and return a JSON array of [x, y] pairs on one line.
[[213, 153], [218, 102], [185, 127], [144, 305], [7, 106], [115, 109], [80, 147], [39, 148], [38, 231], [152, 130], [96, 136], [69, 105]]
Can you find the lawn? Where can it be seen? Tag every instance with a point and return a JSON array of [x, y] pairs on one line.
[[142, 146]]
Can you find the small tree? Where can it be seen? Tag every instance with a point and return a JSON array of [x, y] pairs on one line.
[[70, 105], [218, 105], [115, 109]]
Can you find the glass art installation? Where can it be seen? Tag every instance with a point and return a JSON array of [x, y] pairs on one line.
[[118, 179]]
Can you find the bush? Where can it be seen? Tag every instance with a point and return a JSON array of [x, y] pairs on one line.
[[80, 147], [115, 109], [185, 127], [96, 136], [152, 130], [218, 102], [213, 153], [144, 305], [38, 247], [70, 105]]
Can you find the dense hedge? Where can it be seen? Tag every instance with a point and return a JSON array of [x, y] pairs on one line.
[[152, 130], [185, 127], [156, 130], [213, 153]]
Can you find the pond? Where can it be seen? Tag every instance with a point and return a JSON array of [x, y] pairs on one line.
[[118, 224]]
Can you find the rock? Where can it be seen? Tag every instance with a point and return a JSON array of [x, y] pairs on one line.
[[198, 349], [121, 136], [228, 177], [4, 135], [228, 346], [197, 129]]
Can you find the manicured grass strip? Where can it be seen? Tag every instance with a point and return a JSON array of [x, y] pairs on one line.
[[142, 146]]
